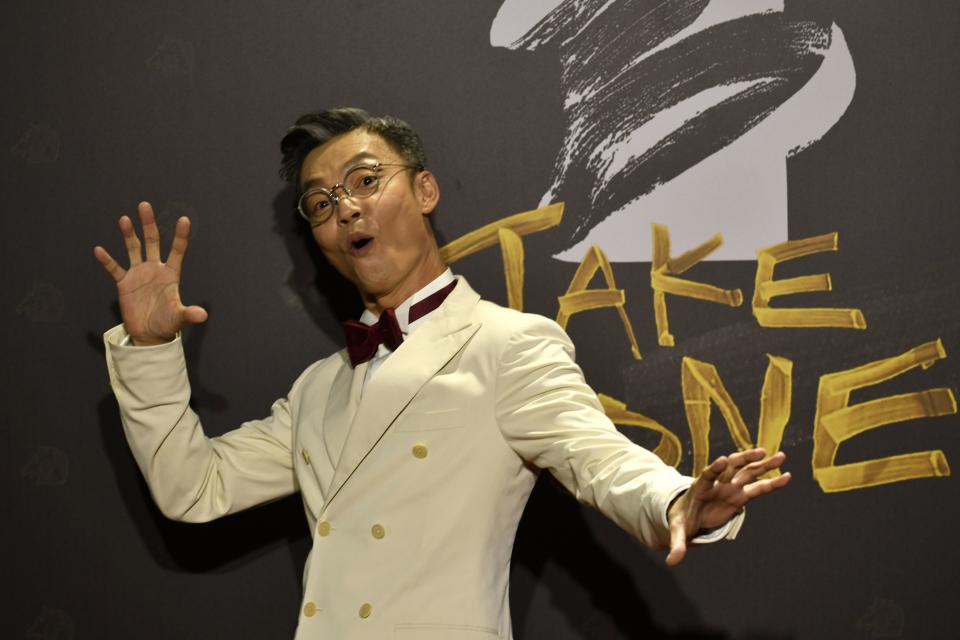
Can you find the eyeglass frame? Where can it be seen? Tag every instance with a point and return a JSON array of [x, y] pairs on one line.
[[331, 193]]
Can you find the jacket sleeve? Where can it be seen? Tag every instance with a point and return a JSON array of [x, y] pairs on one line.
[[552, 419], [194, 478]]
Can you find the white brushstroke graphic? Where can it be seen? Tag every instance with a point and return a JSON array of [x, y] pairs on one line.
[[681, 113]]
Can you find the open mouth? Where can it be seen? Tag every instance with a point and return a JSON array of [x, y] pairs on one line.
[[359, 241]]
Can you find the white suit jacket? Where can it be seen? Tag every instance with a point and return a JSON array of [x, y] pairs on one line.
[[413, 524]]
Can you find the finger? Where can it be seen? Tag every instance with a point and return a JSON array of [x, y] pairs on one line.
[[109, 264], [754, 470], [729, 472], [713, 471], [740, 460], [179, 247], [151, 234], [130, 240], [761, 487], [678, 543], [767, 464], [743, 458], [195, 315], [705, 486]]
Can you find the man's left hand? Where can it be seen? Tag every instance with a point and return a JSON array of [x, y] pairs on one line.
[[720, 493]]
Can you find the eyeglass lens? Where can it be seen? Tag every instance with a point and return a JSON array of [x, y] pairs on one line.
[[359, 182]]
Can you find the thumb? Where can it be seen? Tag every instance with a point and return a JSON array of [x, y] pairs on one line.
[[678, 542], [194, 314]]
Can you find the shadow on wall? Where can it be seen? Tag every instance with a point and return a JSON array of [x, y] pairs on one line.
[[229, 542], [556, 552], [595, 589], [324, 294]]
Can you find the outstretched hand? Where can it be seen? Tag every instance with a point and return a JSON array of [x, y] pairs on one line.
[[149, 290], [720, 492]]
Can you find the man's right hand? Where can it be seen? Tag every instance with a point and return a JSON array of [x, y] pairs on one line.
[[149, 291]]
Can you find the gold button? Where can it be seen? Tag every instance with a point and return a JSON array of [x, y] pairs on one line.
[[420, 451], [365, 610], [310, 609], [378, 531], [323, 528], [306, 456]]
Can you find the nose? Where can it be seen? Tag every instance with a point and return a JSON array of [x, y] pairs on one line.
[[347, 209]]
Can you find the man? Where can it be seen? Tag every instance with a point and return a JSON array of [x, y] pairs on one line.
[[415, 457]]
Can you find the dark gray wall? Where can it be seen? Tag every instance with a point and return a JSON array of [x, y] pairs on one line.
[[183, 104]]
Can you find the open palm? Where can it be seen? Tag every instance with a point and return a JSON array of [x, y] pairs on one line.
[[721, 491], [149, 290]]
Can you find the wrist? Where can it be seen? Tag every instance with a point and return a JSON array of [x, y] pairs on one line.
[[674, 503], [149, 341]]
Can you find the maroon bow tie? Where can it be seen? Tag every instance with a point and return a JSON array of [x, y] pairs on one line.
[[363, 340]]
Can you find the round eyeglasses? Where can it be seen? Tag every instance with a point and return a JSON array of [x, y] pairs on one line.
[[318, 204]]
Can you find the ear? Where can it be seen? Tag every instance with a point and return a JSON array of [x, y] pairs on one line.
[[427, 191]]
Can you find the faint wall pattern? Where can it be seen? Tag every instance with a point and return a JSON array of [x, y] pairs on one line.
[[39, 144], [43, 303], [47, 467], [51, 624], [883, 619], [174, 57]]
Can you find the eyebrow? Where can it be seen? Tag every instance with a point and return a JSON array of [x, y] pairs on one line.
[[349, 164]]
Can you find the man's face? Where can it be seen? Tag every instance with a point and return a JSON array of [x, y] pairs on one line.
[[382, 243]]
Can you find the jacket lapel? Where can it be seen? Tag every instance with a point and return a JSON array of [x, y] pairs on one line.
[[341, 408], [402, 375]]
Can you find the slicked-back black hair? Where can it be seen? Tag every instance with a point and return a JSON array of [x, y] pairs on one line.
[[314, 129]]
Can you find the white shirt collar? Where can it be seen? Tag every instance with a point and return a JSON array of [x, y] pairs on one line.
[[403, 310]]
